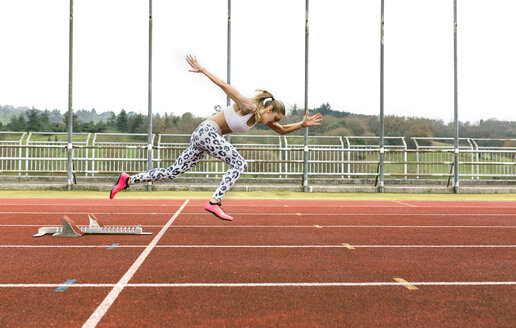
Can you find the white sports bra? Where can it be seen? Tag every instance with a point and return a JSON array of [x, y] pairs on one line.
[[236, 122]]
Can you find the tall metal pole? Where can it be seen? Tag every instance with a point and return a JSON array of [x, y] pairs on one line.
[[229, 51], [228, 100], [456, 104], [382, 132], [149, 104], [305, 153], [70, 111]]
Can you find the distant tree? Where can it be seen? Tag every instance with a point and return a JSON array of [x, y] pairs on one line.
[[334, 124], [44, 120], [101, 127], [17, 123], [357, 126], [136, 123], [325, 109], [188, 123], [88, 127], [122, 122], [395, 125], [112, 121], [341, 131], [294, 110], [170, 121], [33, 123]]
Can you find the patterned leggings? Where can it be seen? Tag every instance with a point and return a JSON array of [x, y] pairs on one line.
[[204, 140]]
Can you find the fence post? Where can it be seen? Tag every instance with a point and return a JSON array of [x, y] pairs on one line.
[[20, 154], [477, 159], [349, 157], [405, 157], [342, 168]]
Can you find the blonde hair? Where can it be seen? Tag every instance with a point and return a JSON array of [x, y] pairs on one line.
[[265, 99]]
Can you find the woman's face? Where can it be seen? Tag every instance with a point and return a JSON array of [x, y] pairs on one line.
[[269, 117]]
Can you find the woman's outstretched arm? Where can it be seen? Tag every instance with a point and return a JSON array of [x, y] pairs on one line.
[[306, 122], [244, 104]]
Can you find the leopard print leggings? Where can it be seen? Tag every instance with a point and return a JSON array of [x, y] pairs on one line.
[[204, 140]]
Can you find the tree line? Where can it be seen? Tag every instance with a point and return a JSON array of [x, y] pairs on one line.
[[335, 123]]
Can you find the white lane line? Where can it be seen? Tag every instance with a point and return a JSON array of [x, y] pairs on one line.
[[96, 205], [271, 284], [260, 246], [335, 246], [266, 205], [117, 289], [289, 226], [342, 226], [331, 284], [267, 214]]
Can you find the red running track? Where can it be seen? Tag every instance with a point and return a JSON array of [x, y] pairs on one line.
[[280, 263]]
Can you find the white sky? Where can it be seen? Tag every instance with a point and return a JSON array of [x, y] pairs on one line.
[[111, 47]]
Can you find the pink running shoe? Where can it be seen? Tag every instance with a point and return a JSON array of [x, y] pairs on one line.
[[217, 210], [121, 184]]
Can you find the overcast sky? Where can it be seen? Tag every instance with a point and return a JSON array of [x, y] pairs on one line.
[[111, 49]]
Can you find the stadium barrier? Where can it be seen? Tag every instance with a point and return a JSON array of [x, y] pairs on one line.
[[339, 157]]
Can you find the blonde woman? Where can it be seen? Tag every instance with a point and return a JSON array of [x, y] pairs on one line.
[[241, 116]]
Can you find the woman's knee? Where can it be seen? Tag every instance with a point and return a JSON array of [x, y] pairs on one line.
[[240, 164]]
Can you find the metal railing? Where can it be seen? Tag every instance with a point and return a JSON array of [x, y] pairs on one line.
[[342, 157], [10, 151], [494, 161], [116, 152]]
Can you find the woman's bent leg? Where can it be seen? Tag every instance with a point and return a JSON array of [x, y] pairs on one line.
[[188, 159], [236, 167], [225, 151]]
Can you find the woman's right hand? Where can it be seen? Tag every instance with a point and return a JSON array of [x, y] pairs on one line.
[[245, 104], [196, 67]]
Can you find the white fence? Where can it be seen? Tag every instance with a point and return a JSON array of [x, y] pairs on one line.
[[267, 155]]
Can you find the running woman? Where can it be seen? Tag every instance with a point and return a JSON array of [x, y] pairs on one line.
[[207, 139]]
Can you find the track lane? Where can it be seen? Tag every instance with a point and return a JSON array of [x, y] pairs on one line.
[[246, 265], [41, 307], [56, 265], [336, 236], [256, 218], [319, 306]]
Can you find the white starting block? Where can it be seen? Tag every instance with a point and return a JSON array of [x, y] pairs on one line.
[[70, 229]]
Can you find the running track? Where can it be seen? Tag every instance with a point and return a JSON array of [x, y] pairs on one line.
[[280, 263]]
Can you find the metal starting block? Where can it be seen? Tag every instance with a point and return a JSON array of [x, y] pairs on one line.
[[70, 229]]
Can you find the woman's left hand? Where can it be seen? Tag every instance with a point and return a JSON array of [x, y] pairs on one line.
[[312, 120]]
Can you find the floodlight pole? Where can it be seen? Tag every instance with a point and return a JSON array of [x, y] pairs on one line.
[[305, 152], [455, 105], [70, 111], [229, 51], [228, 70], [149, 99], [382, 132]]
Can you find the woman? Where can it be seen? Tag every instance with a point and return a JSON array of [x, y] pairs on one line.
[[207, 139]]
